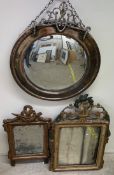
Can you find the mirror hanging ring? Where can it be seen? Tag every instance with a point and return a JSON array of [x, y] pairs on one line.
[[55, 58]]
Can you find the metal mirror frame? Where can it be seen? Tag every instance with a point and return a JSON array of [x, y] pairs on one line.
[[27, 38]]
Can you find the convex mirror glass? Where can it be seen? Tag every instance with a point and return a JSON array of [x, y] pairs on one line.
[[55, 62]]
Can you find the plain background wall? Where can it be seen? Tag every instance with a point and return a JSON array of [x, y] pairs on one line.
[[15, 15]]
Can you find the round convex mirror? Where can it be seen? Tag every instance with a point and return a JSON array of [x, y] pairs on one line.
[[55, 65], [55, 62]]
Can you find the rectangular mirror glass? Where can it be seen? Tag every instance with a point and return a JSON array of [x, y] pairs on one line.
[[29, 139], [78, 145]]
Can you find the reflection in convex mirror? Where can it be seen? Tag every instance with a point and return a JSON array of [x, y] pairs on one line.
[[55, 62]]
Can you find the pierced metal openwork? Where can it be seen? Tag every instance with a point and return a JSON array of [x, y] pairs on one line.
[[62, 16]]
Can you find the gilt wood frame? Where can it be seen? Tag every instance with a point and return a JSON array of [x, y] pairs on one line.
[[54, 166], [27, 117]]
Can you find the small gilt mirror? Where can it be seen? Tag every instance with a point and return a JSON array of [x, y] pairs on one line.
[[55, 58], [27, 136]]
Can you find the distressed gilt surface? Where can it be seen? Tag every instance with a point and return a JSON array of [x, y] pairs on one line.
[[80, 133], [27, 135]]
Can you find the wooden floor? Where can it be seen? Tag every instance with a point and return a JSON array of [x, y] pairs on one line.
[[36, 168]]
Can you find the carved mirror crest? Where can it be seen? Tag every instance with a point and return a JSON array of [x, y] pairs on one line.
[[55, 58]]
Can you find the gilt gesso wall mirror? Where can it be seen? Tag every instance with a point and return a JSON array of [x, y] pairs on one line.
[[28, 136], [78, 146], [55, 58], [79, 135]]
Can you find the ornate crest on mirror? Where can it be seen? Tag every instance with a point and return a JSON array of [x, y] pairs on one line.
[[79, 136], [55, 58], [27, 136]]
